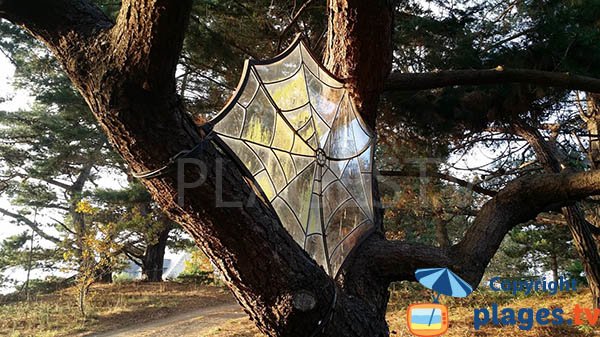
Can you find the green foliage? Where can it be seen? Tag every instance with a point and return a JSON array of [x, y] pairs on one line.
[[198, 269], [575, 271]]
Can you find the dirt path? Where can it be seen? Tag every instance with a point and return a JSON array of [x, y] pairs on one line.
[[190, 324]]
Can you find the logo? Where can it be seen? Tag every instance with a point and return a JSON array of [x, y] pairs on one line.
[[526, 318], [428, 319], [431, 319]]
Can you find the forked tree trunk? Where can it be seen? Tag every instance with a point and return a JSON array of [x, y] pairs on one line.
[[126, 72]]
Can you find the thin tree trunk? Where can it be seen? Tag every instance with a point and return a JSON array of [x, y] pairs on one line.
[[29, 266], [154, 257], [554, 266]]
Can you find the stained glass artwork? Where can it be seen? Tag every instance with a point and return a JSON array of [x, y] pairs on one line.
[[293, 126]]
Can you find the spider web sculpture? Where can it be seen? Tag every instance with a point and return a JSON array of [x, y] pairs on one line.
[[296, 130]]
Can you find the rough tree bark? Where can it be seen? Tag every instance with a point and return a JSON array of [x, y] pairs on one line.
[[126, 72]]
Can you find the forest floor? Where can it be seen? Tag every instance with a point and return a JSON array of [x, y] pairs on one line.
[[110, 308], [183, 310], [461, 313]]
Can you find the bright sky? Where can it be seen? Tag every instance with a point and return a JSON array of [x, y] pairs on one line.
[[15, 100]]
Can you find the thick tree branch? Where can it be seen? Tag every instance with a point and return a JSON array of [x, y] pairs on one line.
[[521, 200], [359, 49], [398, 260], [152, 61], [500, 75], [58, 22], [583, 231]]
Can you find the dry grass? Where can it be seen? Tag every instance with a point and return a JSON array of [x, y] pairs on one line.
[[461, 315], [118, 306], [111, 307]]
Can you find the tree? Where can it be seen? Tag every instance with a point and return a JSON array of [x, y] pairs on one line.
[[146, 230], [125, 69], [52, 156], [98, 255], [547, 244]]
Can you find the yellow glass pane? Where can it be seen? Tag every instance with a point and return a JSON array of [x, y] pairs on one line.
[[288, 164], [266, 185], [284, 136], [246, 156], [289, 94], [299, 117], [301, 148], [307, 131], [272, 165], [260, 120]]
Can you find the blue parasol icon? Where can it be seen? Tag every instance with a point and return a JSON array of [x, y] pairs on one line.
[[443, 281]]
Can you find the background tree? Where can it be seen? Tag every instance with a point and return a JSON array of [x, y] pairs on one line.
[[53, 156], [147, 232]]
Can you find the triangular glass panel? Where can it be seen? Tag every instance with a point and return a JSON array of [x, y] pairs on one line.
[[309, 62], [245, 154], [302, 162], [272, 165], [324, 99], [232, 123], [282, 69], [352, 180], [298, 194], [315, 248], [284, 135], [289, 168], [322, 129], [265, 183], [289, 94], [260, 120], [249, 91], [342, 144], [333, 197], [314, 218], [289, 220]]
